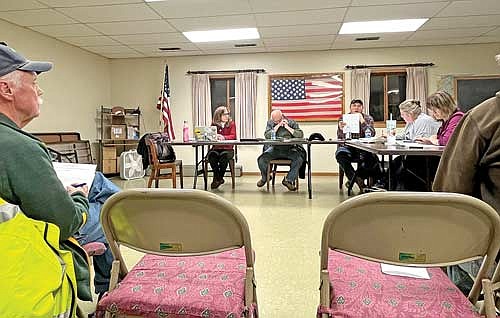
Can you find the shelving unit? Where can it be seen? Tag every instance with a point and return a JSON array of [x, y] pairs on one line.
[[117, 132]]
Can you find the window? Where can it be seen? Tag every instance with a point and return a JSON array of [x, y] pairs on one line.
[[222, 92], [387, 91]]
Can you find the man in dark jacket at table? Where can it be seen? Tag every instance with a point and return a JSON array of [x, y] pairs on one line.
[[281, 127]]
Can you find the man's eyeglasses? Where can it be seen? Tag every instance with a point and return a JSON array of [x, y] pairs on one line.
[[226, 113]]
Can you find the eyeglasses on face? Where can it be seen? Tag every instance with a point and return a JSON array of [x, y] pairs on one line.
[[227, 113]]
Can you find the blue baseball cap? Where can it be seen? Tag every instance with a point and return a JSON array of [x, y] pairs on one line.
[[10, 61]]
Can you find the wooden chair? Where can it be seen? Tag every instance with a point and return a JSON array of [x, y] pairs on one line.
[[232, 163], [157, 165], [272, 169], [415, 229], [199, 260]]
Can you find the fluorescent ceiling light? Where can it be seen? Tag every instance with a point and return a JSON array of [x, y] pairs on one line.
[[222, 35], [386, 26]]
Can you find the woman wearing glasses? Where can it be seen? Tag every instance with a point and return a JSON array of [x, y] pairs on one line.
[[219, 155]]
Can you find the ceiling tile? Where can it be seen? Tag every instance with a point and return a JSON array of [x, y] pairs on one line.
[[181, 53], [474, 7], [65, 30], [20, 5], [200, 8], [299, 30], [449, 41], [300, 17], [154, 48], [227, 45], [360, 3], [290, 48], [391, 37], [109, 49], [152, 38], [292, 5], [388, 12], [451, 33], [133, 27], [364, 45], [461, 22], [299, 41], [36, 17], [113, 13], [122, 55], [213, 23], [82, 3], [494, 32], [89, 40]]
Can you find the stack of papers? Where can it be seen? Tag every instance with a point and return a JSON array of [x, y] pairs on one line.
[[74, 173], [412, 144], [405, 271]]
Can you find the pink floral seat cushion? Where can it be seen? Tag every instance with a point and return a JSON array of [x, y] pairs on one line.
[[360, 289], [181, 287]]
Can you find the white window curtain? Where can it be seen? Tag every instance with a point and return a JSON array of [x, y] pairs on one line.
[[245, 103], [202, 104], [416, 85], [360, 87]]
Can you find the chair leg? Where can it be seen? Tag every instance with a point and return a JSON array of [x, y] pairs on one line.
[[269, 174], [174, 176], [341, 178], [157, 178], [273, 168], [151, 177], [231, 168], [181, 175]]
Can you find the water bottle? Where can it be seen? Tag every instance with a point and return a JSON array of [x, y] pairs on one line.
[[368, 133], [185, 131], [273, 135]]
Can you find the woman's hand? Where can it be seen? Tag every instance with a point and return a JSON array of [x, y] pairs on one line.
[[432, 140], [220, 137]]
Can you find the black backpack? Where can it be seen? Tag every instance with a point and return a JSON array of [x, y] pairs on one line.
[[164, 150]]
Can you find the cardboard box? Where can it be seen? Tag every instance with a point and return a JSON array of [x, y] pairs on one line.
[[109, 166], [109, 153], [118, 131]]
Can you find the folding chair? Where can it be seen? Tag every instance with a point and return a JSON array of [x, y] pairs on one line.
[[199, 259], [491, 288], [404, 228]]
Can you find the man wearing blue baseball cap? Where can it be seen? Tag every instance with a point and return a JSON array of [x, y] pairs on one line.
[[28, 183]]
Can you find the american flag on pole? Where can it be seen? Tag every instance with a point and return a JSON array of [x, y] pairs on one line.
[[308, 99], [164, 106]]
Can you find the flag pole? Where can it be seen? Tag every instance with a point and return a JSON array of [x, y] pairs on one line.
[[162, 96]]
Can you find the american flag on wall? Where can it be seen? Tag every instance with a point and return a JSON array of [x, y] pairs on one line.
[[163, 105], [308, 99]]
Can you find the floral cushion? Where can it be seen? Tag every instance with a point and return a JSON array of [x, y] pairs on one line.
[[175, 287], [360, 289]]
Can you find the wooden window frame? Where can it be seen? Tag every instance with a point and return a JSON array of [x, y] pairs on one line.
[[228, 78], [385, 72]]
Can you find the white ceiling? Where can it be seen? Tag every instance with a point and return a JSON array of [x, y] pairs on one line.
[[133, 28]]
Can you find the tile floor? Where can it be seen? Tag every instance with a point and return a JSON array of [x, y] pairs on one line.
[[286, 233]]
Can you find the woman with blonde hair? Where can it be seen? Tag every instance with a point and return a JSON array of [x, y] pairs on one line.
[[219, 156], [418, 124], [443, 108]]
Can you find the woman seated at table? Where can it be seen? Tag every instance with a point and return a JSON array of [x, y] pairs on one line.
[[442, 107], [219, 155], [418, 125], [413, 173]]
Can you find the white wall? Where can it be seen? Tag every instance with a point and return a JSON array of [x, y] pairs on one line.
[[139, 81], [74, 88]]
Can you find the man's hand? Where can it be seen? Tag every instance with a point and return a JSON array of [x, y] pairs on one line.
[[342, 124], [83, 189], [361, 118]]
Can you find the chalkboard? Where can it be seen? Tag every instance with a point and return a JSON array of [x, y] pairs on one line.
[[471, 91]]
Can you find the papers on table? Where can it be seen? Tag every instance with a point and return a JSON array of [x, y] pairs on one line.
[[405, 271], [352, 123], [75, 173], [413, 145], [370, 140]]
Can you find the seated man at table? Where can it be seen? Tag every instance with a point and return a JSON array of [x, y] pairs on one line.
[[345, 155], [282, 127]]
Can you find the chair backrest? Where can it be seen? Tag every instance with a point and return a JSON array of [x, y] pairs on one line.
[[174, 222], [415, 228]]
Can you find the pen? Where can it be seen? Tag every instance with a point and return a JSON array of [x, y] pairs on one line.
[[78, 185]]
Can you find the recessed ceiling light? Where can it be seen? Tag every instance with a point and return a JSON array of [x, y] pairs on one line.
[[386, 26], [222, 35]]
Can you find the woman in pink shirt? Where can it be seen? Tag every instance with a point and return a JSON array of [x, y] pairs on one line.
[[442, 106]]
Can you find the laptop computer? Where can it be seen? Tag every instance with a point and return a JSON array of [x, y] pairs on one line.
[[205, 133]]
